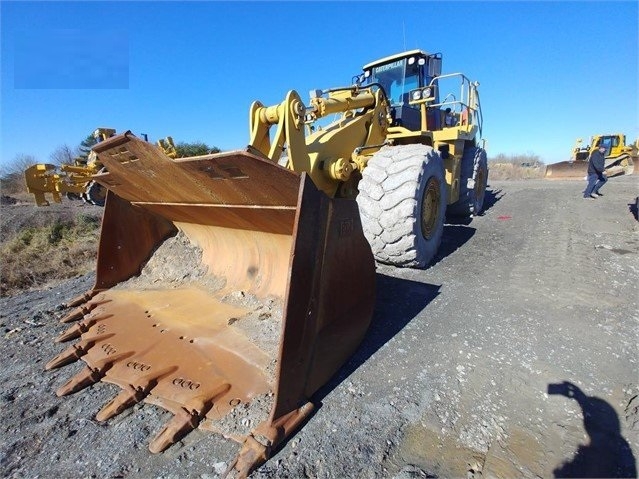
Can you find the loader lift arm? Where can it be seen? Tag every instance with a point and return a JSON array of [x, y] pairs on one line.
[[330, 155]]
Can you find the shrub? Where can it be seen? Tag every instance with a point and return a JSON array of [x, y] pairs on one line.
[[36, 255], [516, 167]]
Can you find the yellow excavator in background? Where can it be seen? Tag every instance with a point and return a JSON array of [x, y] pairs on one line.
[[76, 180], [620, 159], [284, 234]]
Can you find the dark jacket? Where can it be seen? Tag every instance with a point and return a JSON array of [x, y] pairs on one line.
[[596, 163]]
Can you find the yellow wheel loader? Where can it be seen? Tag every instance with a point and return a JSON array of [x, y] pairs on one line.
[[230, 287], [620, 159]]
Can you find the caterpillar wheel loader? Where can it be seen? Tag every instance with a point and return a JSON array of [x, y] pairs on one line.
[[76, 181], [230, 287], [620, 158]]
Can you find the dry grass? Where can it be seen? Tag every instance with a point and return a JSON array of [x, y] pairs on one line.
[[510, 171], [516, 167], [36, 254]]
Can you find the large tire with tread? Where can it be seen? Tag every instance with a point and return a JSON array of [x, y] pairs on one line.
[[402, 203], [95, 194], [473, 179]]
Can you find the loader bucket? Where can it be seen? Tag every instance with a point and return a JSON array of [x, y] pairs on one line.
[[228, 290], [578, 170], [567, 170]]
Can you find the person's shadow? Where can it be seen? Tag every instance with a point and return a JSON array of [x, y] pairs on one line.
[[608, 454], [634, 208]]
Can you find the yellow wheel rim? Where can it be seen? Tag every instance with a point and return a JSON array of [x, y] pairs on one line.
[[430, 207]]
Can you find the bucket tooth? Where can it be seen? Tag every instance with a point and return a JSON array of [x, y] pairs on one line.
[[74, 315], [83, 298], [81, 311], [78, 313], [68, 356], [83, 379], [73, 332], [126, 399], [78, 329], [251, 456], [91, 375], [75, 352], [133, 394], [174, 430], [187, 419]]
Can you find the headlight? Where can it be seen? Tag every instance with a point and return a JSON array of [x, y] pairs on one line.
[[427, 92], [417, 95]]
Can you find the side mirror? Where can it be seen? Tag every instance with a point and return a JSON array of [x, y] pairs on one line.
[[434, 67]]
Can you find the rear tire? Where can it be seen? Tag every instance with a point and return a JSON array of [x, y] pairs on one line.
[[402, 204], [472, 184]]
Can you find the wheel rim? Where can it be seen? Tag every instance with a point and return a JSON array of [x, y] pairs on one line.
[[430, 207]]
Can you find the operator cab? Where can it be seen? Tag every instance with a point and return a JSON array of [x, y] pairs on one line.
[[609, 142], [398, 75]]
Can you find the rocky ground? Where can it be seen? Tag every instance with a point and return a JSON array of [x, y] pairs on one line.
[[514, 355]]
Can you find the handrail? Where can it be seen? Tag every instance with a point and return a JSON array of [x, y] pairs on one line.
[[468, 92]]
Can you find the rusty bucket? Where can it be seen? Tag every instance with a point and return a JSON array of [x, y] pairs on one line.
[[226, 284]]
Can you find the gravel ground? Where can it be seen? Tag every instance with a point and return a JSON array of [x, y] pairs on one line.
[[537, 296]]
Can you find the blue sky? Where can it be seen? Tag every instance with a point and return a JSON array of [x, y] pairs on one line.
[[549, 71]]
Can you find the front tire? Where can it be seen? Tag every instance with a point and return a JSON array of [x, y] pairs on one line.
[[402, 202]]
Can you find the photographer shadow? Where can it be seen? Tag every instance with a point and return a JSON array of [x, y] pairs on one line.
[[608, 454], [634, 208]]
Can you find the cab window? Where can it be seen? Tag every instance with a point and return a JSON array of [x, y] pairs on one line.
[[398, 79]]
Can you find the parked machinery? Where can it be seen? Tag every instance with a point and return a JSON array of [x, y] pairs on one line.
[[76, 181], [620, 158]]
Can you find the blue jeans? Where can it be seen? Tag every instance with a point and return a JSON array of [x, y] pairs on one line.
[[595, 181]]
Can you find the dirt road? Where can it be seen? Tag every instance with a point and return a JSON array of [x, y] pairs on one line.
[[452, 380]]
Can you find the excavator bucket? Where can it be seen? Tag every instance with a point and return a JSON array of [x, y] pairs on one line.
[[228, 290]]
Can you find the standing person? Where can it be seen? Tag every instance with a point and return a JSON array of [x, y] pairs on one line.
[[596, 177]]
